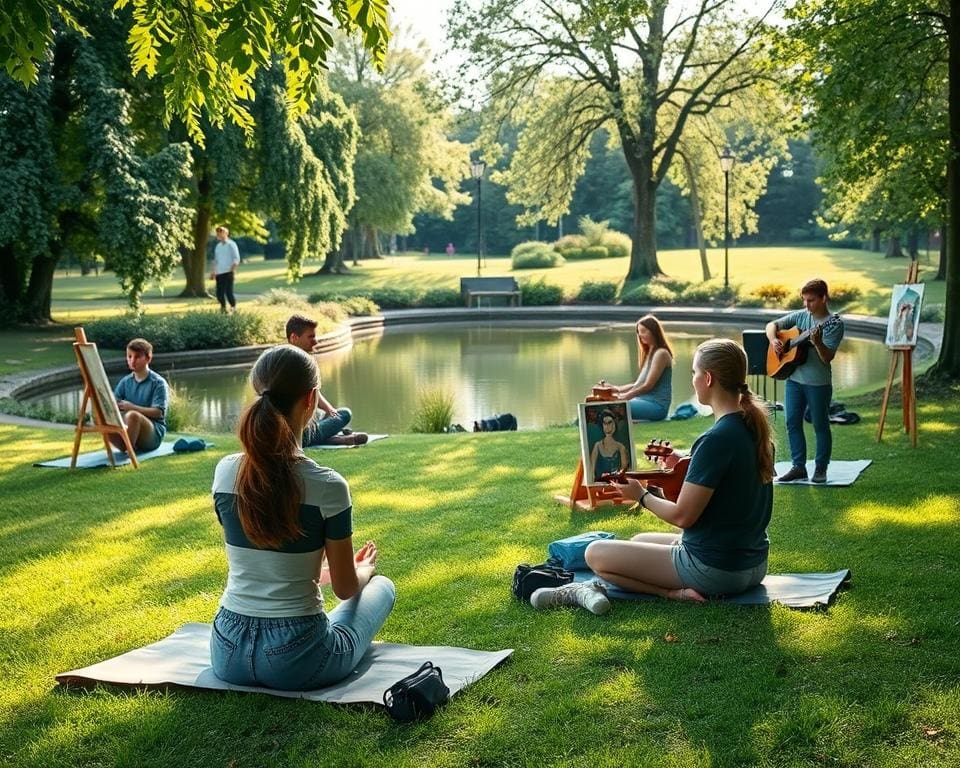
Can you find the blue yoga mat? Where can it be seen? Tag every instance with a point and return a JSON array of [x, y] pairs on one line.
[[793, 590], [98, 459]]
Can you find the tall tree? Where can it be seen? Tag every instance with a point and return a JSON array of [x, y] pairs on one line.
[[882, 79], [205, 53], [640, 67]]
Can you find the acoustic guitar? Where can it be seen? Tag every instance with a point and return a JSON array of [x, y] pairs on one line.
[[796, 345], [662, 482]]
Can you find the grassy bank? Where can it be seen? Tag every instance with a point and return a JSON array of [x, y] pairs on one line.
[[95, 564]]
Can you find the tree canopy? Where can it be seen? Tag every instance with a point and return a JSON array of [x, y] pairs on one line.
[[206, 53]]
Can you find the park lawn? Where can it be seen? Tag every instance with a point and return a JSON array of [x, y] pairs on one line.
[[79, 298], [95, 563]]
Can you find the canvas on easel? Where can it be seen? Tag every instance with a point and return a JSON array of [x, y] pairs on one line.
[[107, 419], [902, 326]]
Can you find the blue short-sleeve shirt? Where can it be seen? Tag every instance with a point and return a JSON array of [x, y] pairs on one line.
[[814, 372], [152, 392], [731, 533]]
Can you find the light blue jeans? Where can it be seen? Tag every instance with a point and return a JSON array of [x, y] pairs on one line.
[[798, 397], [300, 653], [318, 431], [645, 409]]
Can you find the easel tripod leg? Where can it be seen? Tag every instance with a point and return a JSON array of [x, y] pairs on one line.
[[886, 392]]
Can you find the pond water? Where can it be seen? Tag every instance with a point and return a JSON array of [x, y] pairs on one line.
[[537, 373]]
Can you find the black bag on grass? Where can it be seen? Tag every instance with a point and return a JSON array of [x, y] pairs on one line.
[[499, 422], [528, 578], [415, 696]]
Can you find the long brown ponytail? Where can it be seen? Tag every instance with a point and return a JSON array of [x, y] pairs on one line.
[[727, 361], [269, 491]]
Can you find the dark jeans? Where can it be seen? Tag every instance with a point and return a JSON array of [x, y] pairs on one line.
[[798, 397], [320, 430], [225, 290]]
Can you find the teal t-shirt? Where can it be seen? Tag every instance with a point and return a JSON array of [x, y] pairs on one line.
[[152, 392], [814, 372], [731, 534]]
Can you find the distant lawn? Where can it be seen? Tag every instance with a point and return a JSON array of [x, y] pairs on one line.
[[94, 563]]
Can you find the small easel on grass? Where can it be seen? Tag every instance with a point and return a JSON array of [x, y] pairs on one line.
[[587, 497], [907, 388], [107, 419]]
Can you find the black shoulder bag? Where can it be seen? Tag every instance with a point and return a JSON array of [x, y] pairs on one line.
[[415, 696]]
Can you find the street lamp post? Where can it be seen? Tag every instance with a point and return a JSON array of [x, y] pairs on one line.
[[477, 168], [726, 163]]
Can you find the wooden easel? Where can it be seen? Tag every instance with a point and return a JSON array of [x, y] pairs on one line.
[[587, 497], [907, 388], [106, 416]]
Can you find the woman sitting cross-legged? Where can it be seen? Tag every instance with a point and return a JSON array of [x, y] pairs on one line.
[[282, 515], [650, 394], [724, 504]]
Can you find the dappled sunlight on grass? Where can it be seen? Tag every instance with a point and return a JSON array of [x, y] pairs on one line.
[[622, 687], [930, 510]]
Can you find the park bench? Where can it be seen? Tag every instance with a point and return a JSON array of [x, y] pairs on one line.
[[473, 288]]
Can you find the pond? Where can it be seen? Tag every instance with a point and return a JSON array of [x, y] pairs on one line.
[[537, 373]]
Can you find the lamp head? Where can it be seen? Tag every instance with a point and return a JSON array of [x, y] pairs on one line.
[[726, 161], [477, 167]]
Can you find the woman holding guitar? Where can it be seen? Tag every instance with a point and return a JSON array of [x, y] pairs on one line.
[[810, 384], [724, 503], [650, 394]]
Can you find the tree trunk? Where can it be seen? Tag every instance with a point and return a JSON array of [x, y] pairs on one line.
[[948, 364], [913, 243], [334, 263], [35, 307], [875, 240], [11, 278], [195, 260], [643, 254], [894, 251], [697, 217]]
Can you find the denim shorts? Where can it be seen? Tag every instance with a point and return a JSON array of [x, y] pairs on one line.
[[708, 580]]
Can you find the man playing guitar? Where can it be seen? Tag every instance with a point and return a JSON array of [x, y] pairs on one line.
[[811, 384]]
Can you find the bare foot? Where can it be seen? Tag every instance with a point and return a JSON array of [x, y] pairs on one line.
[[687, 594]]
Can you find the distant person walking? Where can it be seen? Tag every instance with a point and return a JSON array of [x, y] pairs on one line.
[[226, 257], [450, 249]]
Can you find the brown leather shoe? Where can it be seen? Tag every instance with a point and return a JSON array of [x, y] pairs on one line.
[[795, 473], [819, 476]]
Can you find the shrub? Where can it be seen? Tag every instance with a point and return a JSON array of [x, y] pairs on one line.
[[359, 306], [708, 292], [573, 254], [932, 313], [593, 231], [595, 252], [794, 301], [648, 293], [618, 245], [394, 298], [603, 292], [537, 293], [441, 297], [38, 411], [675, 284], [844, 293], [198, 329], [284, 297], [570, 243], [750, 301], [434, 410], [772, 293], [534, 255], [183, 410]]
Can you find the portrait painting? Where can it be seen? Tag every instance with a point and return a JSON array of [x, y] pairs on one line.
[[606, 439], [904, 318]]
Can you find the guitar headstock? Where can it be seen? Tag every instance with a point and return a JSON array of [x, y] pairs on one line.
[[658, 449]]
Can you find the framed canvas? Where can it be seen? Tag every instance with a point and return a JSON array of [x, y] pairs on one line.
[[102, 390], [904, 318], [606, 439]]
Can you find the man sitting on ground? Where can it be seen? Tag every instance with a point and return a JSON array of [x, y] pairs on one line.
[[326, 425], [142, 396]]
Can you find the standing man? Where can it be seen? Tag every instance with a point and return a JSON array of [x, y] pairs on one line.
[[326, 425], [811, 384], [226, 256], [142, 396]]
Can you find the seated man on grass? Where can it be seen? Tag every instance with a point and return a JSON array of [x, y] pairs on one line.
[[328, 425], [142, 396]]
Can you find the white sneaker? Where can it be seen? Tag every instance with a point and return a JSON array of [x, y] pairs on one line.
[[587, 594]]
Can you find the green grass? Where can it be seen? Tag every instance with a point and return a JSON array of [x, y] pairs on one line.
[[95, 563]]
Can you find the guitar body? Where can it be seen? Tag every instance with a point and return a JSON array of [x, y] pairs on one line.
[[662, 482], [794, 355]]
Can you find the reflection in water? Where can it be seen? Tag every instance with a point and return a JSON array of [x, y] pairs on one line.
[[538, 374]]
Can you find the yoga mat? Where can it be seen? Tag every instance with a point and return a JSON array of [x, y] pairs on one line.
[[793, 590], [98, 459], [370, 439], [839, 473], [183, 659]]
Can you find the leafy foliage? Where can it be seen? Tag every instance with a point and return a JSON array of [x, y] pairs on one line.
[[534, 255], [206, 54], [191, 330], [441, 297], [434, 410], [600, 292], [648, 293], [539, 293]]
